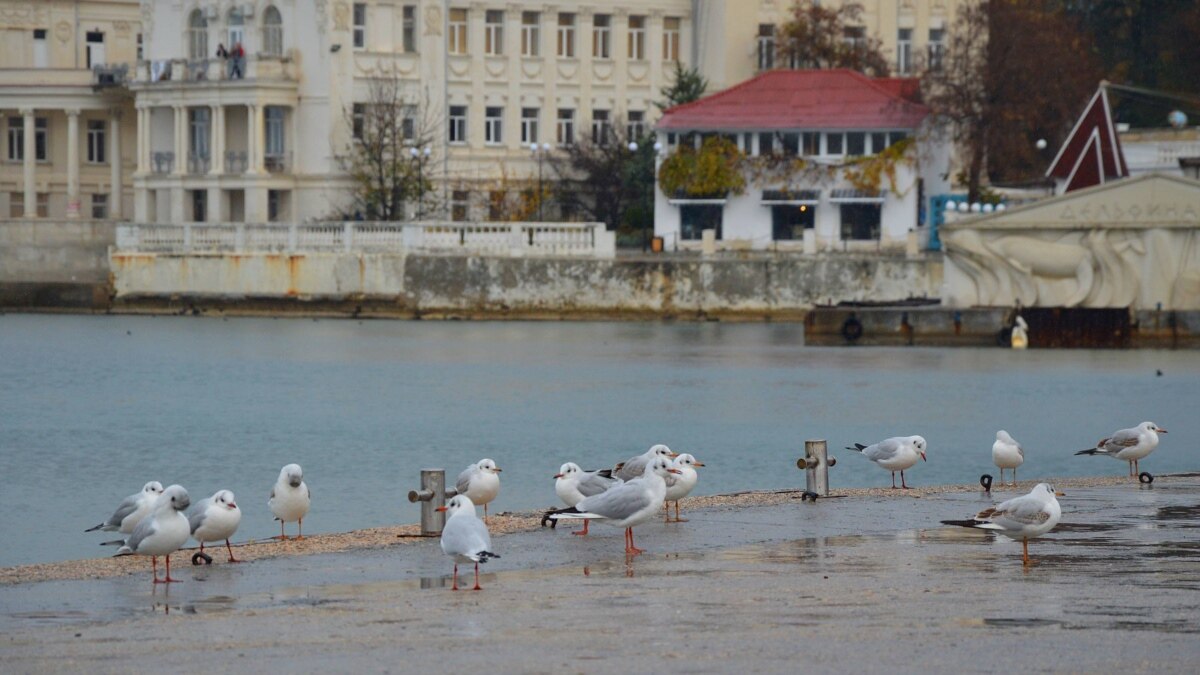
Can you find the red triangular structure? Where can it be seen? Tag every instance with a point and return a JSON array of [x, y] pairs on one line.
[[1091, 155]]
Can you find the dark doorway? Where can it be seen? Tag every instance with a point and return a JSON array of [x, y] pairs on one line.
[[1065, 328]]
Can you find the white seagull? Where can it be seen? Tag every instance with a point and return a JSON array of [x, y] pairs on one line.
[[465, 537], [131, 510], [480, 482], [162, 532], [1007, 453], [625, 505], [894, 454], [290, 499], [216, 518], [1129, 444], [634, 466], [1025, 517], [680, 486], [572, 485]]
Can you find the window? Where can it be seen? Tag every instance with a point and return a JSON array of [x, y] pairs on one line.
[[565, 133], [789, 221], [460, 205], [878, 142], [16, 205], [856, 144], [790, 142], [99, 206], [566, 36], [601, 128], [810, 143], [854, 36], [197, 36], [360, 25], [408, 125], [834, 144], [602, 36], [766, 46], [95, 49], [41, 51], [766, 143], [140, 52], [277, 201], [272, 32], [529, 125], [636, 127], [493, 32], [40, 144], [43, 205], [236, 24], [16, 138], [198, 140], [496, 204], [695, 218], [531, 34], [409, 35], [358, 120], [458, 124], [273, 126], [458, 31], [937, 47], [860, 221], [671, 38], [904, 51], [493, 126], [199, 205], [637, 38], [95, 141]]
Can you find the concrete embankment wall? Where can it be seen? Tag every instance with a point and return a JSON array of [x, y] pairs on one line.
[[468, 286], [55, 265]]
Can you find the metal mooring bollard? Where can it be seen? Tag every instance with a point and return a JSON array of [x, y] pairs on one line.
[[816, 463], [433, 493]]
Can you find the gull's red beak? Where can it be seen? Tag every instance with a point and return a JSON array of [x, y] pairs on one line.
[[1162, 431], [674, 471], [440, 508], [558, 475], [232, 505], [923, 458], [698, 464]]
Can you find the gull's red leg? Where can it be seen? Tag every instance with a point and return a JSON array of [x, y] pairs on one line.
[[477, 586], [154, 568], [168, 579], [230, 549], [300, 529], [585, 529]]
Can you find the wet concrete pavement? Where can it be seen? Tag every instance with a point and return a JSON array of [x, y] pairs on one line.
[[854, 584]]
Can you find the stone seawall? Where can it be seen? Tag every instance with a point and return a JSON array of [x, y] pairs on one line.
[[470, 286], [55, 264]]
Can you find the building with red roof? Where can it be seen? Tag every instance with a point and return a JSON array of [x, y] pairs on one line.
[[833, 160]]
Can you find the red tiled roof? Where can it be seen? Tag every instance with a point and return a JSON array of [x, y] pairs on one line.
[[801, 99]]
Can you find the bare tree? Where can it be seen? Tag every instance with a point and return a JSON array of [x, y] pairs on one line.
[[606, 181], [821, 37], [392, 152]]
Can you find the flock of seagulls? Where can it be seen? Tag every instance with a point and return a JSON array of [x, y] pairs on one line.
[[627, 495]]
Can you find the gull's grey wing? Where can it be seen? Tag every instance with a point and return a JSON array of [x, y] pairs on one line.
[[1023, 510], [1124, 438], [1020, 451], [124, 509], [883, 450], [632, 468], [592, 484], [466, 536], [620, 502], [197, 517], [464, 480], [144, 529]]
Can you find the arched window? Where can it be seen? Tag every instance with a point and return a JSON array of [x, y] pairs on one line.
[[272, 38], [237, 27], [197, 35]]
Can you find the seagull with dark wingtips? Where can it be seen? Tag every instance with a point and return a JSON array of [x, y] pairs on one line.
[[894, 454], [131, 510], [1130, 445], [162, 532]]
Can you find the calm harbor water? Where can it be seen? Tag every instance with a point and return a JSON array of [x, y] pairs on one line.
[[93, 407]]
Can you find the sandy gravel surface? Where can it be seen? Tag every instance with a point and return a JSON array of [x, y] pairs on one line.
[[499, 524]]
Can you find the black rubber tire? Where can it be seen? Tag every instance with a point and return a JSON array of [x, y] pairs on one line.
[[852, 329]]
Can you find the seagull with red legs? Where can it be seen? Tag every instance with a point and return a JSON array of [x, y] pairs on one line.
[[572, 485], [162, 532], [216, 518], [465, 537], [894, 454]]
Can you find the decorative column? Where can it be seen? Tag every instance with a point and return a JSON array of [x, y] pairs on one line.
[[180, 145], [114, 167], [255, 139], [28, 163], [217, 143], [72, 162], [143, 140]]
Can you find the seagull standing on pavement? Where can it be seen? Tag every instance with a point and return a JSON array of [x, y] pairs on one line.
[[634, 466], [465, 537], [1128, 444], [1007, 454], [572, 485], [214, 519], [680, 486], [480, 482], [290, 499], [894, 454], [162, 532], [1025, 517]]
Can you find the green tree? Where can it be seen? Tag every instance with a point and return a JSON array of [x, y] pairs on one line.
[[605, 181], [687, 85]]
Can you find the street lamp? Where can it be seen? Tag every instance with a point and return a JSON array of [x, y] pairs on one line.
[[633, 148], [420, 156], [539, 153]]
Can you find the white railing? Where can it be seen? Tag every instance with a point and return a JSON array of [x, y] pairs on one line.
[[505, 239]]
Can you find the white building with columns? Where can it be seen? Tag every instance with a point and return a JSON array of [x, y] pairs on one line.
[[67, 127]]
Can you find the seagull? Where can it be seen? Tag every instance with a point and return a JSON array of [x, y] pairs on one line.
[[680, 486], [480, 483], [1025, 517], [290, 499], [465, 537], [162, 532], [634, 466], [131, 510], [1129, 444], [894, 454], [625, 505], [572, 485], [216, 518], [1007, 453]]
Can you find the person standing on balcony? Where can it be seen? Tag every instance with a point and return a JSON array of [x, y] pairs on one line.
[[223, 54], [238, 59]]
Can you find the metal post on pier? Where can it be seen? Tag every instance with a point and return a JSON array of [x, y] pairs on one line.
[[816, 463], [433, 493]]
